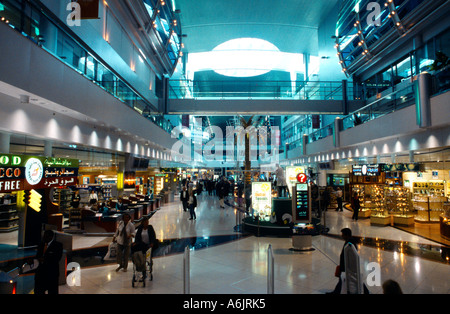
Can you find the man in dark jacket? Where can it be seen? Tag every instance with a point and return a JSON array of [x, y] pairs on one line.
[[184, 197], [346, 235], [221, 192], [192, 203], [49, 254]]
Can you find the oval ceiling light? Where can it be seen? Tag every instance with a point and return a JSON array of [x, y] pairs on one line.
[[245, 57]]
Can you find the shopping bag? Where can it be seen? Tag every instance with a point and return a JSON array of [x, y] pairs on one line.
[[337, 272], [139, 261], [30, 266], [112, 252]]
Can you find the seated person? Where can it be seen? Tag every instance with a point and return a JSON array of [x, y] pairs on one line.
[[119, 205], [93, 204], [104, 209], [149, 195]]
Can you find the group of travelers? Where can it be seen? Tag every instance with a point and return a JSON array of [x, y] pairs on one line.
[[189, 199], [189, 192], [321, 200]]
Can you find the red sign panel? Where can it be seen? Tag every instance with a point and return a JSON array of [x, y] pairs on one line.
[[302, 178]]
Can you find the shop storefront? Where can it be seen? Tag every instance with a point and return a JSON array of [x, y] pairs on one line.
[[430, 190], [402, 194], [367, 182], [32, 194]]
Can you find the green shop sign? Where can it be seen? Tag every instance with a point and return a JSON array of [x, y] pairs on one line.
[[23, 172], [21, 160]]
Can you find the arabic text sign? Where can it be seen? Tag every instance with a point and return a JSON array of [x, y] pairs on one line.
[[21, 160], [22, 172]]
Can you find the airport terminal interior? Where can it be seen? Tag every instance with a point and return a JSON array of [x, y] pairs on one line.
[[293, 147]]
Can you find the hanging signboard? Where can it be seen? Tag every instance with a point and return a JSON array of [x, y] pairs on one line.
[[402, 167], [301, 207], [89, 9], [366, 170], [22, 172]]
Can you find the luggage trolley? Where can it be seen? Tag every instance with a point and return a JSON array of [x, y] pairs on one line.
[[141, 263]]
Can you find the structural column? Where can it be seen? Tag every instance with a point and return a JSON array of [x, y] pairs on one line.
[[304, 142], [422, 91], [338, 126], [5, 140], [48, 149]]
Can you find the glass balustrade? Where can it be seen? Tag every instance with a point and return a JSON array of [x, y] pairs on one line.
[[35, 24], [240, 89], [384, 105]]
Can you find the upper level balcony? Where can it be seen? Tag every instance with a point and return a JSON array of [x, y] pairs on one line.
[[368, 31]]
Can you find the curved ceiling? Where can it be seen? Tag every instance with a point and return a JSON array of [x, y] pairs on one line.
[[291, 25]]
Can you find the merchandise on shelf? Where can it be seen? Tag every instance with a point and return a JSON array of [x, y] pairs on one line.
[[429, 208], [432, 188], [445, 222], [9, 215], [63, 198], [371, 198], [398, 200], [109, 191]]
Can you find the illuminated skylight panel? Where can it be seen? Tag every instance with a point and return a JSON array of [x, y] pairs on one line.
[[245, 57]]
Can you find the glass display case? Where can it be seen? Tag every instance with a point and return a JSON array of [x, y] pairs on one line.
[[445, 222], [398, 204], [371, 198], [63, 198], [428, 208]]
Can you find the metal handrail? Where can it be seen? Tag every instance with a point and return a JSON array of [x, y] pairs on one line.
[[256, 89], [379, 100], [270, 271], [186, 271]]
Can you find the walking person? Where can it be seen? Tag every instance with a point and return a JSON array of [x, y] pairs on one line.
[[49, 254], [124, 235], [356, 206], [339, 199], [221, 189], [145, 239], [192, 203], [184, 197], [227, 190], [346, 235]]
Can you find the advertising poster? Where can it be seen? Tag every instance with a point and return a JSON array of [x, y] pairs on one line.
[[262, 199], [291, 176]]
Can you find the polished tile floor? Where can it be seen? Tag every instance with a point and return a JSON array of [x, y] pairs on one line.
[[240, 266]]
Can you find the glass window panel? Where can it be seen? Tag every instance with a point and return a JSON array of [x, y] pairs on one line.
[[443, 43], [402, 70], [90, 67]]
